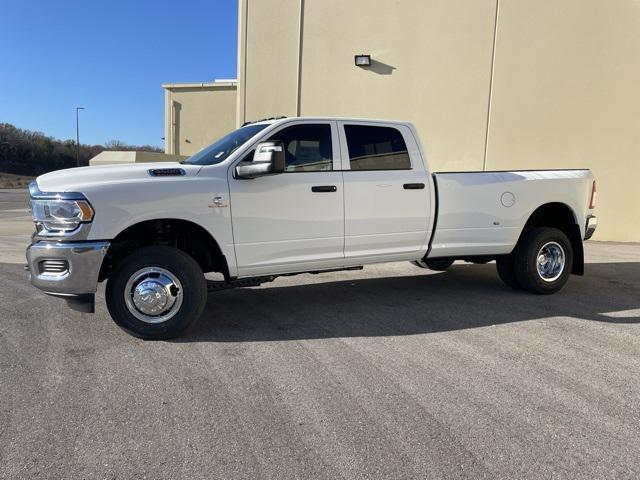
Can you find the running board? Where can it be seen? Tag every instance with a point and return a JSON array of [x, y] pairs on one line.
[[217, 285], [315, 272]]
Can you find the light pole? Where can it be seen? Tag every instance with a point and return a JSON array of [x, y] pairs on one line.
[[78, 136]]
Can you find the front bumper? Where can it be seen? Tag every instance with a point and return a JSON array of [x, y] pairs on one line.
[[591, 225], [66, 269]]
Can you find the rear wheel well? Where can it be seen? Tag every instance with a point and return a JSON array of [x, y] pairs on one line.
[[184, 235], [560, 216]]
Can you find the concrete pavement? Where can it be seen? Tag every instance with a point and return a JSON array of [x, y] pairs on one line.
[[392, 372]]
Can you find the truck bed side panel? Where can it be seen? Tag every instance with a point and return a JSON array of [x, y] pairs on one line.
[[484, 213]]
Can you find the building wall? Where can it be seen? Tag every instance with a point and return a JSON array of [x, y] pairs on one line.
[[489, 84], [198, 114], [270, 66], [431, 66], [566, 93]]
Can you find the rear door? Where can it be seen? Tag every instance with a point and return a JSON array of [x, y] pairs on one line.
[[293, 221], [386, 191]]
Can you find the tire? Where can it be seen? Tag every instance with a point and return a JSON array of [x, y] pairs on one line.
[[543, 277], [506, 271], [146, 278], [436, 264]]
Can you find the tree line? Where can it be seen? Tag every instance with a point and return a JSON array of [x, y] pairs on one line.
[[25, 152]]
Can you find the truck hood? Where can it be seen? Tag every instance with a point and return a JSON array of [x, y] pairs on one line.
[[76, 179]]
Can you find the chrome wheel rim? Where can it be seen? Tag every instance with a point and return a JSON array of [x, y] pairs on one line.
[[153, 295], [550, 261]]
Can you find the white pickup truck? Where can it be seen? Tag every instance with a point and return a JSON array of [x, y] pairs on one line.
[[293, 195]]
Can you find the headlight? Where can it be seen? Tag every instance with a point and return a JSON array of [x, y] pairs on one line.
[[61, 215]]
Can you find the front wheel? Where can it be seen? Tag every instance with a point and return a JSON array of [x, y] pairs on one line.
[[156, 292], [543, 260]]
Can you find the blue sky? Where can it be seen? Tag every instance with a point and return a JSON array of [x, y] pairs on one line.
[[110, 57]]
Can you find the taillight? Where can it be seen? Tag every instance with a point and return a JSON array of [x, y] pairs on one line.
[[592, 203]]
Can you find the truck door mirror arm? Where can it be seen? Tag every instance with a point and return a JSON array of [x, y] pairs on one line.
[[268, 159]]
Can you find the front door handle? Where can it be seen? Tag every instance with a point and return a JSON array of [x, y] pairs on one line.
[[324, 188], [413, 186]]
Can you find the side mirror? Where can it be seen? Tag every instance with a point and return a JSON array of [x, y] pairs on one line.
[[268, 159]]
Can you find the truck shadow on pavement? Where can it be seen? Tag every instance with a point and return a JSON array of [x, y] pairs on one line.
[[466, 296]]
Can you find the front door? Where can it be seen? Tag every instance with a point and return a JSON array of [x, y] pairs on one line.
[[293, 221]]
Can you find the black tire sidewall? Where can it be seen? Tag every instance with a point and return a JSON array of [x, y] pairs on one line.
[[437, 264], [178, 263], [506, 271], [525, 264]]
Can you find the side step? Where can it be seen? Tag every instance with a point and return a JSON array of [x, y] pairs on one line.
[[217, 285], [316, 272]]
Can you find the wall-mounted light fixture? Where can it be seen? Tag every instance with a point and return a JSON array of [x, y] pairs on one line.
[[363, 60]]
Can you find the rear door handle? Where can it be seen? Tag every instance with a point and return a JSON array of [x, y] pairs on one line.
[[324, 188], [413, 186]]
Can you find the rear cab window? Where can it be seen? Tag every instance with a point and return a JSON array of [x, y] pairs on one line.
[[376, 148]]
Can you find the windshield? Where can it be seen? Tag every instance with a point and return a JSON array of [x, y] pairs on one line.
[[225, 146]]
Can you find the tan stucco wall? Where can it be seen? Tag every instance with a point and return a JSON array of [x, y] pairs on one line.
[[559, 90], [566, 93], [196, 115], [432, 68], [268, 69]]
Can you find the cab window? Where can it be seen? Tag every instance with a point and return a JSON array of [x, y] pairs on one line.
[[307, 147], [376, 148]]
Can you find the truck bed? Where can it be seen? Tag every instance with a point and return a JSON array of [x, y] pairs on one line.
[[483, 213]]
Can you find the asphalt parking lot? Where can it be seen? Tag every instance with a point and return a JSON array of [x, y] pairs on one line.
[[391, 372]]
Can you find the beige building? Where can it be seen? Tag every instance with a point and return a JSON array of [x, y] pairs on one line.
[[196, 114], [489, 84]]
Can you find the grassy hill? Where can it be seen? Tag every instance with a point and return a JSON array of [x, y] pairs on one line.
[[28, 153]]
